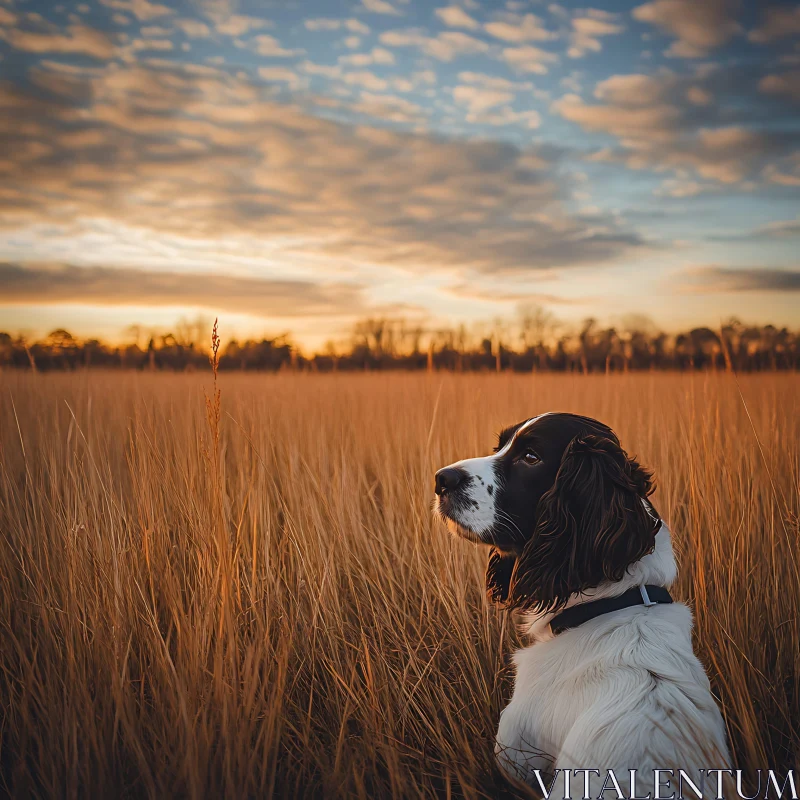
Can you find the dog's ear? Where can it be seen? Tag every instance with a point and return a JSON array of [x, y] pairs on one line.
[[498, 575], [590, 526]]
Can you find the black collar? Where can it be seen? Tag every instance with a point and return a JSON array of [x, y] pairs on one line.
[[638, 596]]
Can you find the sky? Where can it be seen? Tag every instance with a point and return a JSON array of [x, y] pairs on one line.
[[299, 165]]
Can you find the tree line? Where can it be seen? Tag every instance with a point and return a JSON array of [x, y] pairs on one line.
[[533, 342]]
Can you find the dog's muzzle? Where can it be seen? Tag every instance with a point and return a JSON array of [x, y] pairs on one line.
[[464, 498]]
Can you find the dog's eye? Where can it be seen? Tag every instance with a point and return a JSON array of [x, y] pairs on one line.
[[529, 457]]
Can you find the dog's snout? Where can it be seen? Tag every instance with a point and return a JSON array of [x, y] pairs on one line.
[[448, 479]]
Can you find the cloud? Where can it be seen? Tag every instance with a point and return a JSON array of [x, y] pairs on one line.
[[519, 28], [781, 228], [634, 107], [193, 28], [478, 100], [76, 40], [282, 75], [681, 188], [444, 47], [329, 71], [710, 124], [366, 79], [787, 84], [152, 44], [518, 296], [778, 23], [699, 27], [739, 279], [237, 24], [486, 98], [528, 59], [389, 107], [769, 232], [352, 25], [455, 17], [586, 33], [154, 31], [323, 24], [493, 82], [506, 116], [378, 55], [698, 96], [143, 10], [266, 45], [209, 155], [416, 80], [380, 7], [106, 286], [779, 176]]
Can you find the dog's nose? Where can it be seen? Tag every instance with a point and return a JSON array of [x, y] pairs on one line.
[[448, 479]]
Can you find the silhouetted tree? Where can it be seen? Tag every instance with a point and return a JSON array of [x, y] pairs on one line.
[[387, 343]]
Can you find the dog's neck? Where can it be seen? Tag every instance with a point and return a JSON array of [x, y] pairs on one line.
[[656, 568]]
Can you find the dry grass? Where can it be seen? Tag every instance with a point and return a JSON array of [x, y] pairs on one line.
[[275, 611]]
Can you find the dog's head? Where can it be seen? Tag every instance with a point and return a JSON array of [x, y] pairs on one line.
[[561, 504]]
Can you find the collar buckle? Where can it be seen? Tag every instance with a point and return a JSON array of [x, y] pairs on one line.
[[646, 597]]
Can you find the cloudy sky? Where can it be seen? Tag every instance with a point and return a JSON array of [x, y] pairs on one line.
[[299, 164]]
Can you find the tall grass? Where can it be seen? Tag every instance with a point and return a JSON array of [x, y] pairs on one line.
[[255, 601]]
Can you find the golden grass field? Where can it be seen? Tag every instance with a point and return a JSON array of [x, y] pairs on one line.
[[276, 613]]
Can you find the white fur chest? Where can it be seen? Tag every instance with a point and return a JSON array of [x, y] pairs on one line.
[[623, 691]]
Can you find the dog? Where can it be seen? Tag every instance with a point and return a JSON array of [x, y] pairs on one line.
[[610, 681]]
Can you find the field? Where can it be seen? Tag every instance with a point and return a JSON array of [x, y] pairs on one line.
[[251, 598]]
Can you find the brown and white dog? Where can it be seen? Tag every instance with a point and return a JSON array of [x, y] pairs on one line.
[[611, 681]]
